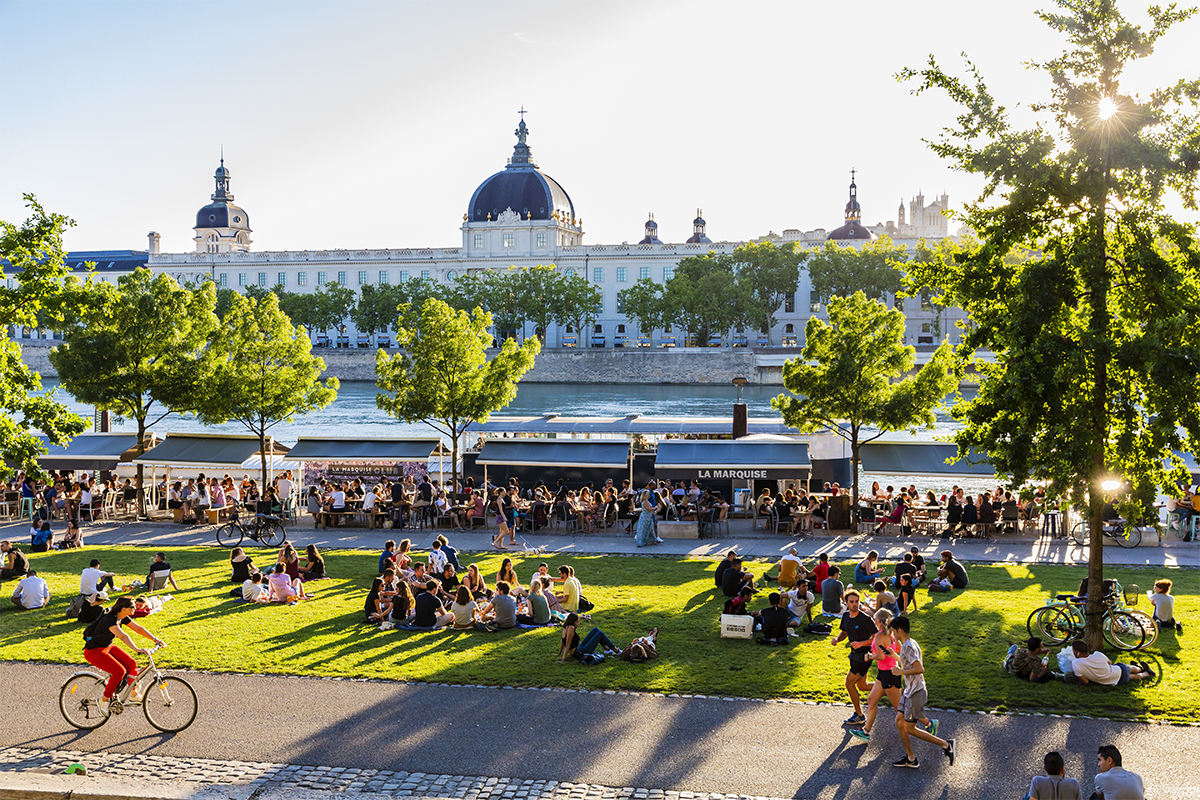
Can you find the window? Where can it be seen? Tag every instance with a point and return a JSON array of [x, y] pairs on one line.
[[383, 277], [570, 272], [926, 327], [541, 240], [668, 273], [509, 239], [282, 279], [620, 329], [644, 273], [789, 328], [452, 275], [598, 274], [899, 303], [342, 278], [667, 329], [322, 278], [926, 303], [599, 329], [262, 279], [424, 273], [241, 279], [224, 280], [620, 302], [362, 277], [479, 241], [403, 275], [302, 279], [620, 274], [789, 303], [814, 301]]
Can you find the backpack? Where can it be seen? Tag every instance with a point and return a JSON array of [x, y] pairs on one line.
[[818, 628], [93, 628], [1009, 658], [591, 659], [75, 606]]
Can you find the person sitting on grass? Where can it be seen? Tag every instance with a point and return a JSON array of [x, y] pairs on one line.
[[31, 592], [800, 604], [41, 538], [73, 537], [314, 564], [572, 590], [93, 609], [1054, 785], [475, 583], [735, 579], [552, 601], [254, 590], [375, 608], [404, 605], [740, 605], [731, 558], [868, 569], [1028, 662], [572, 647], [951, 574], [160, 564], [791, 571], [502, 609], [884, 599], [464, 609], [1164, 606], [537, 609], [906, 595], [642, 648], [419, 576], [430, 612], [775, 621], [285, 589], [832, 591], [902, 567], [388, 557], [241, 565], [450, 553], [16, 563], [1095, 667]]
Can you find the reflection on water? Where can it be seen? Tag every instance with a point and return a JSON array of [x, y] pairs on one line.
[[354, 414]]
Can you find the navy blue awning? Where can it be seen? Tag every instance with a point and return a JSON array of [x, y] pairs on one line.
[[90, 451], [921, 458], [764, 460], [555, 453], [205, 450], [345, 450]]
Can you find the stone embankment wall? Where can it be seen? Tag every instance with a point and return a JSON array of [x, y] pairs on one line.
[[678, 366]]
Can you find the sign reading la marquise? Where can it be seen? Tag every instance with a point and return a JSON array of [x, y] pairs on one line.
[[731, 473]]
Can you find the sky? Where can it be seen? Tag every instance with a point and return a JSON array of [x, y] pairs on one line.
[[370, 124]]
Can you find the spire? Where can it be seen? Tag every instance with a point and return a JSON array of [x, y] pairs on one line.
[[853, 212], [221, 176], [522, 155]]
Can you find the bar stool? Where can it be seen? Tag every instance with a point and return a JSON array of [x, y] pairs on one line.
[[1050, 524], [26, 502]]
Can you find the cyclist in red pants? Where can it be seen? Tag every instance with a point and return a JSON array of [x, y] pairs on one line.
[[102, 652]]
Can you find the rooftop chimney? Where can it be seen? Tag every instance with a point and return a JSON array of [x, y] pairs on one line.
[[154, 237]]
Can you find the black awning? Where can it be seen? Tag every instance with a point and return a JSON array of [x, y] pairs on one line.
[[733, 460]]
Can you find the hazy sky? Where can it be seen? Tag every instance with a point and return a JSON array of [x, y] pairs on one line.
[[369, 124]]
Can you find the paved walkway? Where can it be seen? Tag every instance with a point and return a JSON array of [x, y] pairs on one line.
[[497, 743]]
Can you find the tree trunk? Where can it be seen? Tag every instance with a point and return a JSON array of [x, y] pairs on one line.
[[454, 463], [262, 452], [1098, 332], [141, 468], [854, 450]]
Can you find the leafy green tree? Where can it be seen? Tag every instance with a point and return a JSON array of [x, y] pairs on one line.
[[141, 350], [34, 254], [333, 304], [540, 292], [848, 377], [441, 376], [300, 308], [1096, 335], [645, 304], [768, 273], [706, 299], [266, 373], [224, 301], [579, 303], [376, 308], [502, 297], [841, 270]]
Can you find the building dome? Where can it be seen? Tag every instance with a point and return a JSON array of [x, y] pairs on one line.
[[698, 230], [853, 229], [221, 212], [521, 186]]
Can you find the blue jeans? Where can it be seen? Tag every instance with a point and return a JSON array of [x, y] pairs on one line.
[[594, 638]]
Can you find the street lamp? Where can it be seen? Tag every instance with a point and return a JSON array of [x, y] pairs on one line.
[[739, 382]]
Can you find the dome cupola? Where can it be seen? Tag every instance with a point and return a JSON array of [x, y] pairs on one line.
[[698, 225], [853, 228], [221, 226], [651, 232], [530, 193]]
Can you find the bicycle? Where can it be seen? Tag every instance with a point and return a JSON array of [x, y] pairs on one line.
[[1062, 619], [168, 702], [265, 529]]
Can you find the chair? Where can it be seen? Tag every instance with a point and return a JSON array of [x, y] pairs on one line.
[[89, 509], [563, 514], [159, 581], [1010, 519], [26, 503], [108, 507]]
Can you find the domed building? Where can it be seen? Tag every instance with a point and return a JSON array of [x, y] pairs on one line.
[[651, 236], [853, 229], [698, 226], [222, 227], [520, 209]]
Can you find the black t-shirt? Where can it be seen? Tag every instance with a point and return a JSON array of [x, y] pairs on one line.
[[90, 613], [918, 561], [970, 514], [241, 570], [905, 568], [731, 581], [449, 584], [958, 574], [20, 562], [954, 511], [858, 629], [428, 608], [369, 605], [774, 622], [722, 565], [160, 566], [102, 636], [397, 493], [425, 491]]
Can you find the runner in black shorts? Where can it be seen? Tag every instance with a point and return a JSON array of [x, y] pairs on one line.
[[883, 652], [858, 628]]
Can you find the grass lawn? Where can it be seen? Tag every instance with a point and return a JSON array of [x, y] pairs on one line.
[[964, 635]]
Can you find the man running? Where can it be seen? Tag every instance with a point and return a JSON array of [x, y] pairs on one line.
[[859, 629], [913, 700], [102, 652]]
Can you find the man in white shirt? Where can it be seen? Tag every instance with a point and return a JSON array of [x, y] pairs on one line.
[[1112, 781], [32, 592], [254, 590], [285, 487], [800, 604], [1095, 667], [95, 579]]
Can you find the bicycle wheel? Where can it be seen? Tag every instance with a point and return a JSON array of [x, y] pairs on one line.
[[80, 699], [1123, 631], [230, 534], [1081, 531], [1149, 626], [272, 533], [1031, 624], [1056, 625], [170, 704], [1129, 537]]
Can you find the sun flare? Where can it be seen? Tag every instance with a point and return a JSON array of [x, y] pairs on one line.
[[1107, 108]]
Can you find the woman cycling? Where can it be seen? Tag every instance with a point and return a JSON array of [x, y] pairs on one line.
[[102, 652]]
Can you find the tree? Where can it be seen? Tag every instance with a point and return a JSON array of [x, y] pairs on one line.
[[376, 308], [540, 292], [224, 301], [645, 304], [1096, 334], [441, 375], [266, 373], [580, 301], [300, 308], [769, 273], [332, 304], [705, 297], [34, 252], [848, 377], [841, 270], [140, 350], [501, 296]]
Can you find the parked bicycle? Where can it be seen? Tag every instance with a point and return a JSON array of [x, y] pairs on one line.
[[1062, 619], [169, 702], [1118, 530], [265, 529]]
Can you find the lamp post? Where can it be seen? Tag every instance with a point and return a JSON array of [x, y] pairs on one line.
[[740, 424]]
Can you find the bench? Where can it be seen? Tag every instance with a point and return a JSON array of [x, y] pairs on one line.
[[214, 514], [678, 530], [351, 514]]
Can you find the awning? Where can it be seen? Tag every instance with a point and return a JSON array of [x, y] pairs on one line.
[[555, 453], [91, 452], [741, 459], [359, 450], [921, 458], [628, 425], [206, 450]]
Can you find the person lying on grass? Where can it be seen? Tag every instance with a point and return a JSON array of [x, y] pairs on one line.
[[642, 648], [1095, 667]]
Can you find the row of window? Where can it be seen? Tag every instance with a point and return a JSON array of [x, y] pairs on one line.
[[323, 278]]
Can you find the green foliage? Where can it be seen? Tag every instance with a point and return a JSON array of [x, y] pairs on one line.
[[705, 298], [848, 377], [332, 304], [645, 304], [265, 373], [1096, 335], [34, 253], [769, 272], [841, 270], [577, 303], [376, 308], [224, 302], [140, 350], [441, 375]]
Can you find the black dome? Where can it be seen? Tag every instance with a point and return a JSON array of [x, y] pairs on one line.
[[222, 215], [851, 230], [526, 190]]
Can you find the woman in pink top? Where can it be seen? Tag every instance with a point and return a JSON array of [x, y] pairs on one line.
[[883, 652], [283, 588]]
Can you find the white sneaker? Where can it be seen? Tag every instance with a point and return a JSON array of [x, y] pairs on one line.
[[103, 705], [658, 540]]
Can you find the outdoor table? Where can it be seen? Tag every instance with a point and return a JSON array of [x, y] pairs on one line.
[[924, 516]]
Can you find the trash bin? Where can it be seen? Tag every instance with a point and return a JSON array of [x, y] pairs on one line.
[[839, 512]]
